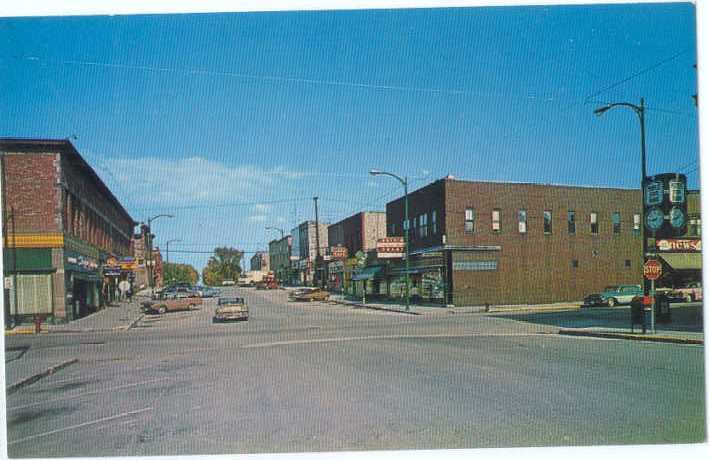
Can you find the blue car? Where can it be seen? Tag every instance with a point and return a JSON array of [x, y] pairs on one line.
[[621, 294]]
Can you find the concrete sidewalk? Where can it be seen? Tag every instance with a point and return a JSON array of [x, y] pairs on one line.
[[119, 317], [667, 336], [429, 310]]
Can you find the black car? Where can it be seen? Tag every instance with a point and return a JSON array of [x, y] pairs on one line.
[[594, 300]]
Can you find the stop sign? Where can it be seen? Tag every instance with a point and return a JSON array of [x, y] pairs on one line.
[[652, 270]]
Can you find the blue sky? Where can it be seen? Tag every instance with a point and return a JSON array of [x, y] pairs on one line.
[[233, 122]]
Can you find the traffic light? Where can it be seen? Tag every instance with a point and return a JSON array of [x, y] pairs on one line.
[[666, 205]]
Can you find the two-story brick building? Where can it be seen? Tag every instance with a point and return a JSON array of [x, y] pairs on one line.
[[279, 253], [61, 224], [473, 243]]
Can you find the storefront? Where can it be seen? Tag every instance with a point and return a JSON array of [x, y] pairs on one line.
[[28, 284], [681, 261], [83, 285]]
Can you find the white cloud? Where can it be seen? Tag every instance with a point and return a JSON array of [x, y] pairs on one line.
[[154, 181]]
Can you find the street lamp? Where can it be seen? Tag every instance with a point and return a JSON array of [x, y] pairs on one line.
[[150, 247], [640, 112], [405, 183]]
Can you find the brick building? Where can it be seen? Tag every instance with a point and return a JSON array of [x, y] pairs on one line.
[[473, 243], [61, 226], [143, 262], [358, 232]]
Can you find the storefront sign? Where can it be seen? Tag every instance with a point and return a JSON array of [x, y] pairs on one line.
[[475, 265], [338, 252], [83, 262], [679, 245], [111, 271], [390, 247]]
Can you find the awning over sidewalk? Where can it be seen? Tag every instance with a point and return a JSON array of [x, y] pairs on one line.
[[683, 261], [414, 270], [366, 273]]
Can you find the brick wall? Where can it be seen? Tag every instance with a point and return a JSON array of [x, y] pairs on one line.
[[30, 188]]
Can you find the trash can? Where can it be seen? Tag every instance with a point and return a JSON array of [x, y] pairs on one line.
[[662, 309], [637, 313]]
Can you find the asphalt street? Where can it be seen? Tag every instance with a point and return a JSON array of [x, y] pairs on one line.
[[302, 377]]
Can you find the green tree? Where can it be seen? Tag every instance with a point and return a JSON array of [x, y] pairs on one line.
[[180, 273], [225, 264]]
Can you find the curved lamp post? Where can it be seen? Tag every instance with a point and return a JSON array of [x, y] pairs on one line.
[[150, 247], [640, 112], [405, 183]]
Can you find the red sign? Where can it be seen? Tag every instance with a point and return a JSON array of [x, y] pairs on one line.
[[679, 245], [652, 269], [390, 247], [338, 252]]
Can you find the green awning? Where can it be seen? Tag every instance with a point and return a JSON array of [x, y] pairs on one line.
[[683, 261], [366, 273]]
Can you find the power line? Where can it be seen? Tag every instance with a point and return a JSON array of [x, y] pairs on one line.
[[636, 74]]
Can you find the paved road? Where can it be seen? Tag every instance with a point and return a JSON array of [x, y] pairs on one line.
[[310, 377]]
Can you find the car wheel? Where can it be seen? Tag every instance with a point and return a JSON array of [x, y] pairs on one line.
[[612, 302], [162, 310]]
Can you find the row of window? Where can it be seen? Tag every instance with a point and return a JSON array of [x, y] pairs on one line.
[[471, 217]]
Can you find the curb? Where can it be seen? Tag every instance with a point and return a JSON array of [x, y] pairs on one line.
[[628, 336], [370, 307], [33, 378]]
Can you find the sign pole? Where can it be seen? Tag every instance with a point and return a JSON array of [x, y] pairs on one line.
[[652, 306]]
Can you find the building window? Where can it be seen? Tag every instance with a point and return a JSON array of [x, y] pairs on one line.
[[694, 226], [571, 219], [547, 222], [627, 263], [496, 220], [636, 224], [423, 225], [594, 223], [616, 222], [575, 263], [469, 220], [522, 218], [434, 230]]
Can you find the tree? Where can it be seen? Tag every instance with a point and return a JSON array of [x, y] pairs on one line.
[[180, 273], [225, 264]]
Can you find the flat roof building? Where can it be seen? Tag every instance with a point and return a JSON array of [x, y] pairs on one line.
[[476, 243], [61, 226]]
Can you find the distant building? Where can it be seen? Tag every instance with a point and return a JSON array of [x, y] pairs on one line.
[[144, 263], [358, 232], [346, 238], [279, 252], [62, 228], [305, 249], [260, 262]]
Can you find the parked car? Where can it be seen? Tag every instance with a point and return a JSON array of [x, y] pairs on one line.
[[621, 294], [209, 292], [231, 308], [228, 283], [691, 293], [309, 295], [164, 305], [594, 300]]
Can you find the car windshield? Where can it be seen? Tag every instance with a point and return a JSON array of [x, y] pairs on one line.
[[610, 288]]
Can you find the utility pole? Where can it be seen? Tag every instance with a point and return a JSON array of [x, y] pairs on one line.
[[316, 279]]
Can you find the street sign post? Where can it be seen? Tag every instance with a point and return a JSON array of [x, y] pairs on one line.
[[652, 270]]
